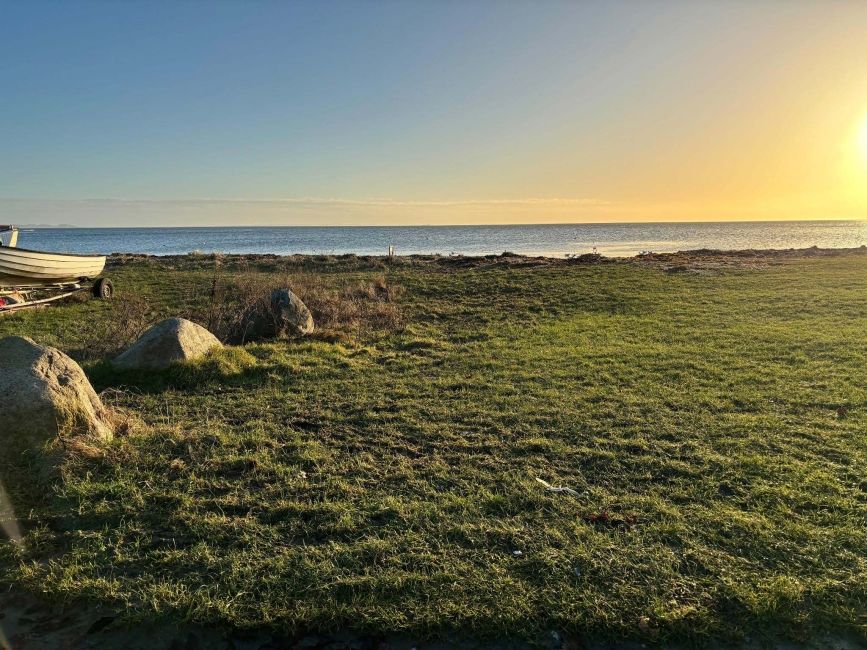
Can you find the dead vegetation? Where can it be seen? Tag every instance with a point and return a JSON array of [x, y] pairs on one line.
[[131, 315], [345, 309], [226, 302]]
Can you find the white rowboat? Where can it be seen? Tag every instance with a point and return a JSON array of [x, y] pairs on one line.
[[23, 267], [32, 279], [19, 266]]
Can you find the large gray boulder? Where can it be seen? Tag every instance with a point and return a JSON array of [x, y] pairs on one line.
[[167, 342], [45, 395], [281, 315]]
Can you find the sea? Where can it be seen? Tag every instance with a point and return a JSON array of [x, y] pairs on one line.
[[555, 240]]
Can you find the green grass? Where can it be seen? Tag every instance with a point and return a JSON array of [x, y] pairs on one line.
[[385, 482]]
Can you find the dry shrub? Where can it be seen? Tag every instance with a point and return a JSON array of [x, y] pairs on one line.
[[232, 302], [341, 309], [122, 421], [358, 307], [131, 315]]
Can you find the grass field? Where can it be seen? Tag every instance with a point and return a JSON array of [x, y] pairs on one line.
[[710, 415]]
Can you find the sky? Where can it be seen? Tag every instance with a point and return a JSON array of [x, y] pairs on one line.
[[440, 112]]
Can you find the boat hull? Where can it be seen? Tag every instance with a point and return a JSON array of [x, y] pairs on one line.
[[23, 267]]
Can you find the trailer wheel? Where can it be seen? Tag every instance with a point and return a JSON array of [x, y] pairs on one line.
[[103, 289]]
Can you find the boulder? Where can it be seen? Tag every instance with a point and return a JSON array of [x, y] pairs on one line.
[[45, 395], [291, 315], [283, 314], [167, 342]]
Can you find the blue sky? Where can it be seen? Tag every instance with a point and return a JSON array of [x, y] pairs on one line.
[[387, 112]]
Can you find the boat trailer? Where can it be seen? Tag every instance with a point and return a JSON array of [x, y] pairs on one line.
[[16, 298]]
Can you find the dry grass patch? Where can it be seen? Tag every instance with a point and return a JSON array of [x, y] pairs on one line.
[[131, 315], [343, 309], [338, 309]]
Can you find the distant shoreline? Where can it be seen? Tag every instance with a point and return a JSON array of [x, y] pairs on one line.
[[516, 259], [47, 226]]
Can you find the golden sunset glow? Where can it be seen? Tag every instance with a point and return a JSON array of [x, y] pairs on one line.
[[862, 139]]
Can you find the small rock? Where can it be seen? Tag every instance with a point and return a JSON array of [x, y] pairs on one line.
[[167, 342]]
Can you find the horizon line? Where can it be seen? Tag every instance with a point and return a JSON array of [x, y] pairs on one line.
[[439, 225]]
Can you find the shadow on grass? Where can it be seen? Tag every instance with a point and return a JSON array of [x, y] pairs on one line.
[[250, 366], [233, 366]]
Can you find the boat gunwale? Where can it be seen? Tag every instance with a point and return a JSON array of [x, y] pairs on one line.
[[32, 264], [30, 250]]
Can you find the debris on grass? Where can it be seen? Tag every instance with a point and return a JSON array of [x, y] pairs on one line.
[[559, 489]]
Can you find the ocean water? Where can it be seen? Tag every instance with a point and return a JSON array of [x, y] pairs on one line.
[[622, 239]]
